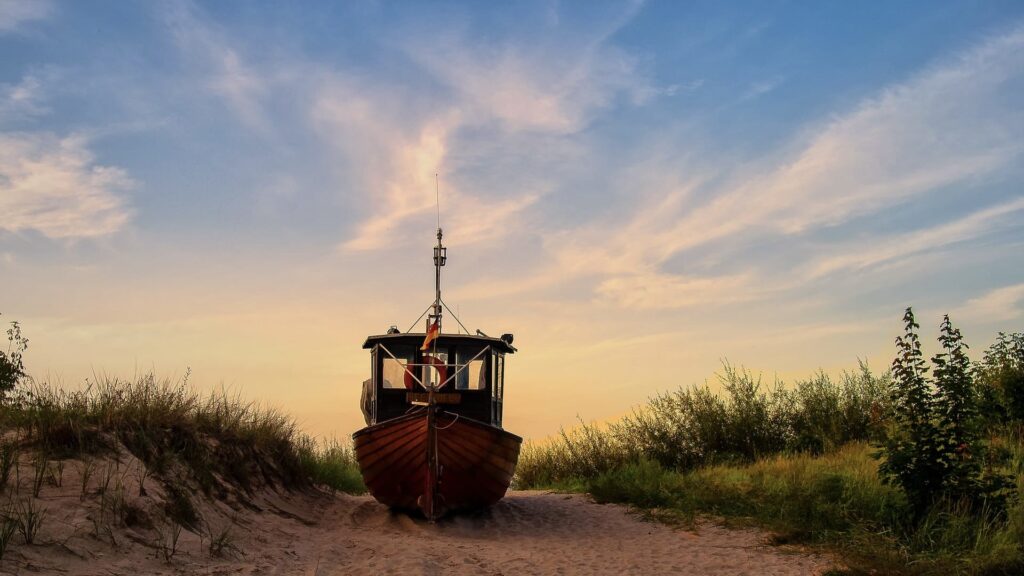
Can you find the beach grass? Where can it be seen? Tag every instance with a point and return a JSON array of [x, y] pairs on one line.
[[219, 436]]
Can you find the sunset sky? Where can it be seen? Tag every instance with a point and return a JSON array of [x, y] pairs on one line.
[[636, 190]]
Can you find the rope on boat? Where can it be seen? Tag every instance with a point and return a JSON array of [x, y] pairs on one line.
[[443, 303], [450, 424]]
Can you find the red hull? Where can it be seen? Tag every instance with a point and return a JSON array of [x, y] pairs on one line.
[[476, 462]]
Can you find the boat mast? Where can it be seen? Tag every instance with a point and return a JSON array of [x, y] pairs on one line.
[[430, 494], [440, 257]]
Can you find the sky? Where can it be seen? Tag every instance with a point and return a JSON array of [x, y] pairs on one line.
[[638, 191]]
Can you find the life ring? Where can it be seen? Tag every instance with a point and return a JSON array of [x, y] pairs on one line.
[[442, 370]]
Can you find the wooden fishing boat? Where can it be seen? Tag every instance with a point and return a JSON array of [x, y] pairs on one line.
[[433, 409]]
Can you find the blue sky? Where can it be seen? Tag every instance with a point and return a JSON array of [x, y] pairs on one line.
[[637, 190]]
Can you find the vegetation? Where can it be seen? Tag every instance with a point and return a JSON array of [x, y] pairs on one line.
[[900, 472], [694, 427], [330, 464], [934, 451], [12, 367], [191, 443], [218, 436]]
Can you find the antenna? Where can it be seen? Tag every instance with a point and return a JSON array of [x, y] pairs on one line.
[[437, 200]]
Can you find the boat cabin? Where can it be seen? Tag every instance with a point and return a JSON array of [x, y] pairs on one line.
[[466, 372]]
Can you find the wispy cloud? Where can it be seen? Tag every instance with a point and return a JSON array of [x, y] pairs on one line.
[[860, 255], [54, 186], [663, 291], [397, 154], [949, 124], [511, 91], [943, 126], [999, 305], [14, 13], [555, 89], [762, 87], [221, 65], [21, 100]]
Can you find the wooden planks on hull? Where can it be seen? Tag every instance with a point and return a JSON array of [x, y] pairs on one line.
[[476, 461], [392, 458]]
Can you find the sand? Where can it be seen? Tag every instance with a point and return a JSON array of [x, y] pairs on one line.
[[321, 534]]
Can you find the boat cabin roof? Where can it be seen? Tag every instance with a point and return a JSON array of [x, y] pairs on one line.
[[416, 338]]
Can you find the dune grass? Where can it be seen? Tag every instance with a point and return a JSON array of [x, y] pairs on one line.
[[218, 437], [697, 426], [331, 464]]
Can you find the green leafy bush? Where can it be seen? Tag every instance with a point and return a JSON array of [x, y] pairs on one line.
[[1000, 376], [12, 366], [934, 450]]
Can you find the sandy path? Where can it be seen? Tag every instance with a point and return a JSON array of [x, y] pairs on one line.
[[526, 533], [321, 535]]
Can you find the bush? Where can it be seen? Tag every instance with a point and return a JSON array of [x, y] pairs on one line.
[[694, 427], [12, 367], [1000, 377], [934, 451]]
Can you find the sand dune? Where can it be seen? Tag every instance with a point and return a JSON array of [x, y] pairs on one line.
[[319, 534]]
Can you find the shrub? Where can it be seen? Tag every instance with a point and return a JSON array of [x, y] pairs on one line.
[[696, 426], [1000, 377], [12, 367], [934, 451]]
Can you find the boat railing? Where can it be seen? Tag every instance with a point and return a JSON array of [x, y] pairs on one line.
[[459, 368]]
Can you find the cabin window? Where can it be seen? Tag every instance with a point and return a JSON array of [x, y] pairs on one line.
[[394, 374], [473, 376], [393, 369], [497, 390]]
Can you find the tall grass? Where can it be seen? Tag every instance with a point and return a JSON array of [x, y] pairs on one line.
[[696, 426], [331, 464], [218, 436]]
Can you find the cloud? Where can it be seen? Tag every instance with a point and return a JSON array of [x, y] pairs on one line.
[[21, 100], [942, 127], [526, 94], [953, 123], [535, 87], [897, 247], [391, 134], [52, 185], [664, 291], [762, 87], [1001, 304], [396, 154], [222, 66], [14, 13]]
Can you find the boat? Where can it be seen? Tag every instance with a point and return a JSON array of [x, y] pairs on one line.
[[434, 443]]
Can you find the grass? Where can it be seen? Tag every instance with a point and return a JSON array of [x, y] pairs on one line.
[[795, 460], [835, 500], [331, 464], [695, 426], [218, 437]]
